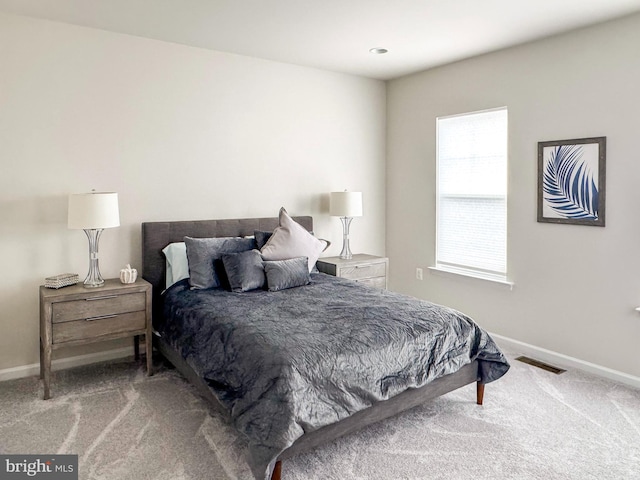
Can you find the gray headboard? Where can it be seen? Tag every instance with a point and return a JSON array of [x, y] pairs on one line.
[[157, 235]]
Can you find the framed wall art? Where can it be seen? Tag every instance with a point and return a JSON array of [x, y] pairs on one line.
[[571, 181]]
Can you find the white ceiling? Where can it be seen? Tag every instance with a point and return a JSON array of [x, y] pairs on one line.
[[336, 34]]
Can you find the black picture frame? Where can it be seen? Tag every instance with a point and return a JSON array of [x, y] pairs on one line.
[[571, 181]]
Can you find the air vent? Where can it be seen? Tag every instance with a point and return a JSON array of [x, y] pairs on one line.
[[542, 365]]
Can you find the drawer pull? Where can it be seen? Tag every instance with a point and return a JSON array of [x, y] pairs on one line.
[[99, 318], [100, 298]]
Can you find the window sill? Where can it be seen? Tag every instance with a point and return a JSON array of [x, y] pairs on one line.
[[441, 270]]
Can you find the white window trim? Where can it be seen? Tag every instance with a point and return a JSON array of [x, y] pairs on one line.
[[446, 269], [440, 269]]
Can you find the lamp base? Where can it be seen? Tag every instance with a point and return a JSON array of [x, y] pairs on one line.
[[94, 279], [93, 284], [345, 254]]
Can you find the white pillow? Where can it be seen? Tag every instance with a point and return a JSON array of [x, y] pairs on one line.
[[291, 240], [177, 264]]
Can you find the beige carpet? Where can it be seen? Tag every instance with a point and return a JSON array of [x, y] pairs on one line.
[[534, 425]]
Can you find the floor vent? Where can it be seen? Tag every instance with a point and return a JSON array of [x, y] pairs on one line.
[[542, 365]]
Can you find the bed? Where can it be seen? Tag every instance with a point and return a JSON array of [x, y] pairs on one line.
[[261, 358]]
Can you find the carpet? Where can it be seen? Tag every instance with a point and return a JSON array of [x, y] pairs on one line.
[[533, 425]]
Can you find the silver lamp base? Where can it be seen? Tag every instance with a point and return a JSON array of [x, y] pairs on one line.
[[94, 279], [345, 254]]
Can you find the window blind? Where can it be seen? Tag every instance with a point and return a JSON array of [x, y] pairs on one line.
[[472, 192]]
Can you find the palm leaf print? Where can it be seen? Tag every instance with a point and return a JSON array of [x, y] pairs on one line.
[[568, 184]]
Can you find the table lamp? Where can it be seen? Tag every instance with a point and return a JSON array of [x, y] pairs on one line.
[[93, 212], [345, 205]]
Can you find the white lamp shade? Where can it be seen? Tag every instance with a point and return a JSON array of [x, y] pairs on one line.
[[346, 204], [93, 210]]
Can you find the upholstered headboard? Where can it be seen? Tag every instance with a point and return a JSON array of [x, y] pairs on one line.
[[157, 235]]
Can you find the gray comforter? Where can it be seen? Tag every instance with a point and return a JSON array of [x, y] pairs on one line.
[[289, 362]]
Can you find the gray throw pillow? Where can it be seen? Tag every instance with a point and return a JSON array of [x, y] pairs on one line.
[[292, 240], [204, 256], [283, 274], [244, 270], [261, 237]]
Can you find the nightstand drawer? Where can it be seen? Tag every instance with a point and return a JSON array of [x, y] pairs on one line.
[[364, 271], [376, 282], [97, 326], [97, 306], [76, 315], [361, 267]]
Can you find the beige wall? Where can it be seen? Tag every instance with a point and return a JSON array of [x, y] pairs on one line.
[[179, 133], [575, 287], [185, 133]]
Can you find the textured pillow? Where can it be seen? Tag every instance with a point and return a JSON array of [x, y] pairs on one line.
[[283, 274], [291, 240], [261, 238], [244, 270], [204, 255], [177, 264]]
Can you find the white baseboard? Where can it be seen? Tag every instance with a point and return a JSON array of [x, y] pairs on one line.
[[62, 363], [561, 360]]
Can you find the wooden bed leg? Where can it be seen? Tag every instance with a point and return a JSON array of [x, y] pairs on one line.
[[479, 393], [277, 471]]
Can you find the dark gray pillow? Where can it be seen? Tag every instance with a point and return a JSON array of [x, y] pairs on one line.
[[204, 257], [261, 238], [282, 274], [244, 270]]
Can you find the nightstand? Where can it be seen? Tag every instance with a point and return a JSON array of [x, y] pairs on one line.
[[367, 269], [77, 315]]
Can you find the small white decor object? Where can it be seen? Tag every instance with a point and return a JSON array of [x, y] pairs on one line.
[[62, 280], [128, 274]]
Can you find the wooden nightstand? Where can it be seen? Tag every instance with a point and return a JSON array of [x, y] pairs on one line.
[[367, 269], [77, 315]]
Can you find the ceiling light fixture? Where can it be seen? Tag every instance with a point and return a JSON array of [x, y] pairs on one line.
[[378, 51]]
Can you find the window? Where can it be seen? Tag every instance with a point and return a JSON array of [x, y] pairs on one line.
[[472, 194]]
